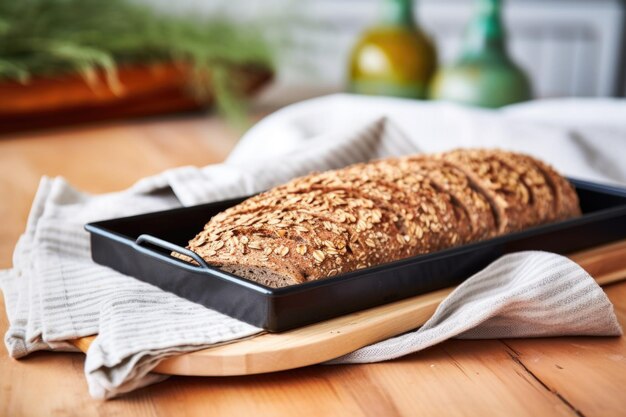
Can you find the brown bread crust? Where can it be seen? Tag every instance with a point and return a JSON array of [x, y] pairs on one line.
[[339, 221]]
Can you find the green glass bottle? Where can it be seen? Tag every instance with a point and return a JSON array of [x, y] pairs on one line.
[[484, 75], [394, 57]]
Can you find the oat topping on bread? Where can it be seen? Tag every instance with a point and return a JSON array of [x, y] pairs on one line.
[[333, 222]]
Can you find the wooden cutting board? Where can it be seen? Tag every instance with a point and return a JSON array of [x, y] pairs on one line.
[[270, 352]]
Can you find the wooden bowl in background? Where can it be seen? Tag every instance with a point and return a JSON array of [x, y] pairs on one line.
[[144, 90]]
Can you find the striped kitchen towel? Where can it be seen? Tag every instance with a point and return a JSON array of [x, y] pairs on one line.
[[55, 293], [524, 294]]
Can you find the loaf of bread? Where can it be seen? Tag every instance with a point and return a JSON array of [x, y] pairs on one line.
[[368, 214]]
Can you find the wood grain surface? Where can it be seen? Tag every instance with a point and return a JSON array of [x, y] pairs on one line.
[[579, 376]]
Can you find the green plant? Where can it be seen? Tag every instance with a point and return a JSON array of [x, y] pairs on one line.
[[53, 37]]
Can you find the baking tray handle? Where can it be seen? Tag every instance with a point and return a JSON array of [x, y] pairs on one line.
[[169, 246]]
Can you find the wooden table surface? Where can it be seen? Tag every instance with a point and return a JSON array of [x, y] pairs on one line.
[[573, 376]]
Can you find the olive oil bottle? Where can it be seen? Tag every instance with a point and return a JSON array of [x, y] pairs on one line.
[[394, 57], [484, 75]]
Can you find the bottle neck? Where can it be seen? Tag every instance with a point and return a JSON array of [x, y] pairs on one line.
[[398, 13], [485, 34]]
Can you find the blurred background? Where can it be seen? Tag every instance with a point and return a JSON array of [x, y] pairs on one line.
[[79, 61], [567, 47]]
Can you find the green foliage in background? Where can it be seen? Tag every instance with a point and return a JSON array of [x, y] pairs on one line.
[[52, 37]]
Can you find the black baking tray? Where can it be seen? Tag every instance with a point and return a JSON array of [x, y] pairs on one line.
[[140, 246]]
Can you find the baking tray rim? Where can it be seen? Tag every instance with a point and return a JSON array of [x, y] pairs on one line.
[[213, 272]]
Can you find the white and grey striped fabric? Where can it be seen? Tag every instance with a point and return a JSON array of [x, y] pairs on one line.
[[55, 293], [525, 294]]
